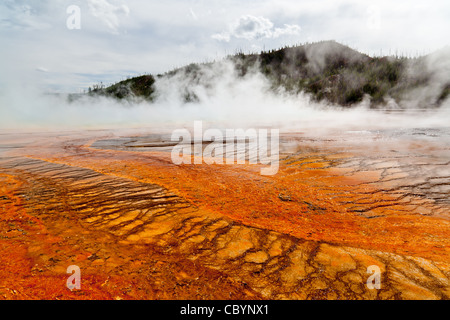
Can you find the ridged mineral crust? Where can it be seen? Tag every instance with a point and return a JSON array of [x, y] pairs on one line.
[[140, 227]]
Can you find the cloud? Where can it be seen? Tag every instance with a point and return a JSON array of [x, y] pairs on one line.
[[289, 29], [193, 15], [41, 69], [22, 15], [108, 13], [252, 28]]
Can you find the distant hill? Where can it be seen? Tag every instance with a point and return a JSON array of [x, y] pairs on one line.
[[327, 71], [141, 86]]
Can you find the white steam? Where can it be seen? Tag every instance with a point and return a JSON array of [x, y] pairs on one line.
[[435, 69], [220, 96]]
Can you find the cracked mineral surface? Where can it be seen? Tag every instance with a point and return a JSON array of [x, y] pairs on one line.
[[141, 227]]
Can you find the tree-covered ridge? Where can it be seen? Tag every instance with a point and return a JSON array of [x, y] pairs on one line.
[[328, 71]]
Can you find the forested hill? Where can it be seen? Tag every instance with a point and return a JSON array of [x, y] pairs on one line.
[[328, 71]]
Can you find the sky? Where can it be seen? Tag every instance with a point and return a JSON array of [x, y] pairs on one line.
[[69, 45]]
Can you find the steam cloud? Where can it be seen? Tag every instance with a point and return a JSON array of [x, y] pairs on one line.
[[250, 27], [222, 97]]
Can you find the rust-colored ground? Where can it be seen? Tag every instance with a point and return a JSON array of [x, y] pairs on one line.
[[140, 227]]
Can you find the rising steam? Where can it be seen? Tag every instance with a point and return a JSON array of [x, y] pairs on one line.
[[221, 96]]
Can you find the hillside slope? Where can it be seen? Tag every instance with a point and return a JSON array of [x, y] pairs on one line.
[[328, 71]]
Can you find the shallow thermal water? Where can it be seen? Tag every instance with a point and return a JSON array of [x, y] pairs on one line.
[[141, 227], [416, 160]]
